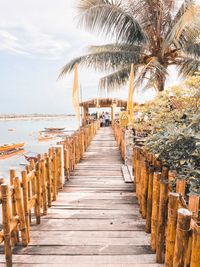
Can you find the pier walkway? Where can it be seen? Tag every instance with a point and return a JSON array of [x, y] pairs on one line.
[[95, 221]]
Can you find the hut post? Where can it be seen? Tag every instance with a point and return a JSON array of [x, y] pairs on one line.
[[6, 223], [182, 237], [171, 228]]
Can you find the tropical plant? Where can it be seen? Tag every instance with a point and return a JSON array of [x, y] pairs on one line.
[[174, 126], [151, 34]]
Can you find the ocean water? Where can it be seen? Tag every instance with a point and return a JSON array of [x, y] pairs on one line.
[[27, 131]]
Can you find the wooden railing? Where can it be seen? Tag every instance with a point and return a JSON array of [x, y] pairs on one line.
[[28, 197], [120, 137], [171, 216]]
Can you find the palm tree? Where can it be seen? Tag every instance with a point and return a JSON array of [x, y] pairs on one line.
[[151, 34]]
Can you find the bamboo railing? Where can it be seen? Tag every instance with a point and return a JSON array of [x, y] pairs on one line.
[[28, 197], [120, 137], [171, 220]]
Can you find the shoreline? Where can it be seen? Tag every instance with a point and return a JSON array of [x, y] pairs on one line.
[[33, 117]]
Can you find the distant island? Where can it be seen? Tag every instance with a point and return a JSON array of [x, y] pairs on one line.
[[34, 116]]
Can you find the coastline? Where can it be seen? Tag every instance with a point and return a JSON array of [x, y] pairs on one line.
[[33, 117]]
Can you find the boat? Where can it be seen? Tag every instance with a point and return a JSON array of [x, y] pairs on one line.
[[54, 129], [10, 150], [10, 147], [29, 159], [45, 137]]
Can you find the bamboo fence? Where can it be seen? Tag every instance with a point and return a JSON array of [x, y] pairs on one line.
[[28, 197], [170, 219]]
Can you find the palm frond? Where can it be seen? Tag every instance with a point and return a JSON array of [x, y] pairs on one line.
[[169, 4], [151, 72], [115, 48], [184, 18], [111, 18], [102, 61], [188, 66], [192, 49], [115, 80]]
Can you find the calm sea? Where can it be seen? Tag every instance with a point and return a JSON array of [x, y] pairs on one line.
[[27, 131]]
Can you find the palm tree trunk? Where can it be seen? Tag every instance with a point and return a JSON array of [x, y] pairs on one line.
[[161, 82]]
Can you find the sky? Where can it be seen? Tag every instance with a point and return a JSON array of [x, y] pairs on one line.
[[37, 37]]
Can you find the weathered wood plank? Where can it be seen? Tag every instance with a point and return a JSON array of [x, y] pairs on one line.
[[78, 260], [88, 224]]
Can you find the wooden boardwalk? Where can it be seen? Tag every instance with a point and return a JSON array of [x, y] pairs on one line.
[[95, 221]]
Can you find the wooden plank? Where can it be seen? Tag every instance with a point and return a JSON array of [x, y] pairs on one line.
[[104, 249], [109, 236], [88, 265], [92, 225], [126, 174], [76, 260]]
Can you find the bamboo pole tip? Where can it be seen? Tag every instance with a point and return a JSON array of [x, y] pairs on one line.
[[2, 181], [184, 212], [4, 189], [174, 195]]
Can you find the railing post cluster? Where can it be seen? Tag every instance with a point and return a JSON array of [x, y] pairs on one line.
[[171, 220], [32, 194]]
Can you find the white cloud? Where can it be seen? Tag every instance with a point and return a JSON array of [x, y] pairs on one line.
[[41, 28], [30, 41]]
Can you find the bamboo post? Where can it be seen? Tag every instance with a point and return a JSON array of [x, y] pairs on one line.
[[144, 190], [49, 184], [15, 233], [195, 258], [140, 176], [182, 237], [54, 177], [6, 223], [38, 192], [155, 208], [33, 184], [162, 221], [180, 186], [44, 188], [20, 211], [149, 199], [193, 206], [25, 202], [171, 178], [171, 228], [165, 172]]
